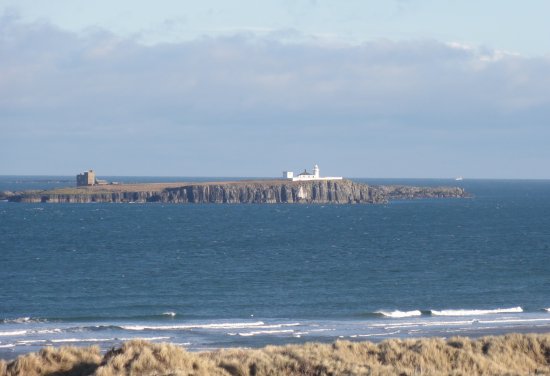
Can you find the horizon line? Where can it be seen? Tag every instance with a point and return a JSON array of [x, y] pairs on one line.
[[274, 177]]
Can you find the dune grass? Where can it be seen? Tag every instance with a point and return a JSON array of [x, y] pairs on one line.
[[55, 361], [514, 354]]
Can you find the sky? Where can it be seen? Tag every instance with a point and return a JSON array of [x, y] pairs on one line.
[[396, 88]]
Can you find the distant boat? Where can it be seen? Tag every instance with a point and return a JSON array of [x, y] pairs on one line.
[[459, 178]]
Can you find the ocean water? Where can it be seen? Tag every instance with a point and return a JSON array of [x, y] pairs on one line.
[[210, 276]]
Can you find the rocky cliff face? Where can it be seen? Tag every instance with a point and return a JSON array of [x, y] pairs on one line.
[[309, 192], [407, 192]]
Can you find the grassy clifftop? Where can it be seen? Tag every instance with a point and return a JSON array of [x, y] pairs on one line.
[[513, 354]]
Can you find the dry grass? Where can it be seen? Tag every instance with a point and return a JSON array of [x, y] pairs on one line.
[[513, 354], [55, 361], [153, 187], [144, 358]]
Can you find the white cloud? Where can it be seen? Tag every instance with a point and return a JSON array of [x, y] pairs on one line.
[[60, 84]]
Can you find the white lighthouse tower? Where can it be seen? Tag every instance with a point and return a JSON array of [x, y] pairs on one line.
[[316, 171]]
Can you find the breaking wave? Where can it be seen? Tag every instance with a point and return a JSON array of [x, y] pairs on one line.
[[67, 319], [447, 312], [84, 340], [399, 314], [473, 312], [13, 333], [21, 320], [260, 332], [228, 325]]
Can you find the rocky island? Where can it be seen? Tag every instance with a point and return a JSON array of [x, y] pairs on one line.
[[238, 192]]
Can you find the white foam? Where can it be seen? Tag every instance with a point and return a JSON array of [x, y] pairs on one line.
[[67, 340], [250, 334], [506, 321], [63, 340], [19, 320], [547, 309], [169, 313], [399, 314], [7, 346], [30, 342], [317, 330], [13, 333], [142, 338], [405, 324], [424, 323], [47, 331], [473, 312], [378, 334], [273, 326], [451, 323], [230, 325]]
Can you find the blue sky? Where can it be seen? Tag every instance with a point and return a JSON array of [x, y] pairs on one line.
[[404, 88]]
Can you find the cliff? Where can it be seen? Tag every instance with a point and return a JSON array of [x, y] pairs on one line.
[[243, 192]]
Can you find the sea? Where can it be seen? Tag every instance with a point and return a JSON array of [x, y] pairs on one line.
[[246, 275]]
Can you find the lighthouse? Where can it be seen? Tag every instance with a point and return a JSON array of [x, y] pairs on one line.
[[316, 171], [315, 175]]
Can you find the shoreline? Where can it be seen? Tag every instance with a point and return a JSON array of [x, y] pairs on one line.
[[26, 335], [493, 355]]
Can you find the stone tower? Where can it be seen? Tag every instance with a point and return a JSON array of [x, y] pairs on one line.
[[86, 178]]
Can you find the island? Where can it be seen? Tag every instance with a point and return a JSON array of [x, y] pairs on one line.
[[278, 191], [303, 188]]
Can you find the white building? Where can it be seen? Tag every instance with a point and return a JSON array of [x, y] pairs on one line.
[[289, 175]]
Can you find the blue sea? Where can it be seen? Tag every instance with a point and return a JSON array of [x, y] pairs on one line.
[[213, 276]]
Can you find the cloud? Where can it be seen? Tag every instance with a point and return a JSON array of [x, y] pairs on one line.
[[58, 84]]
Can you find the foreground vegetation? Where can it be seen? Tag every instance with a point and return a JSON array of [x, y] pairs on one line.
[[513, 354]]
